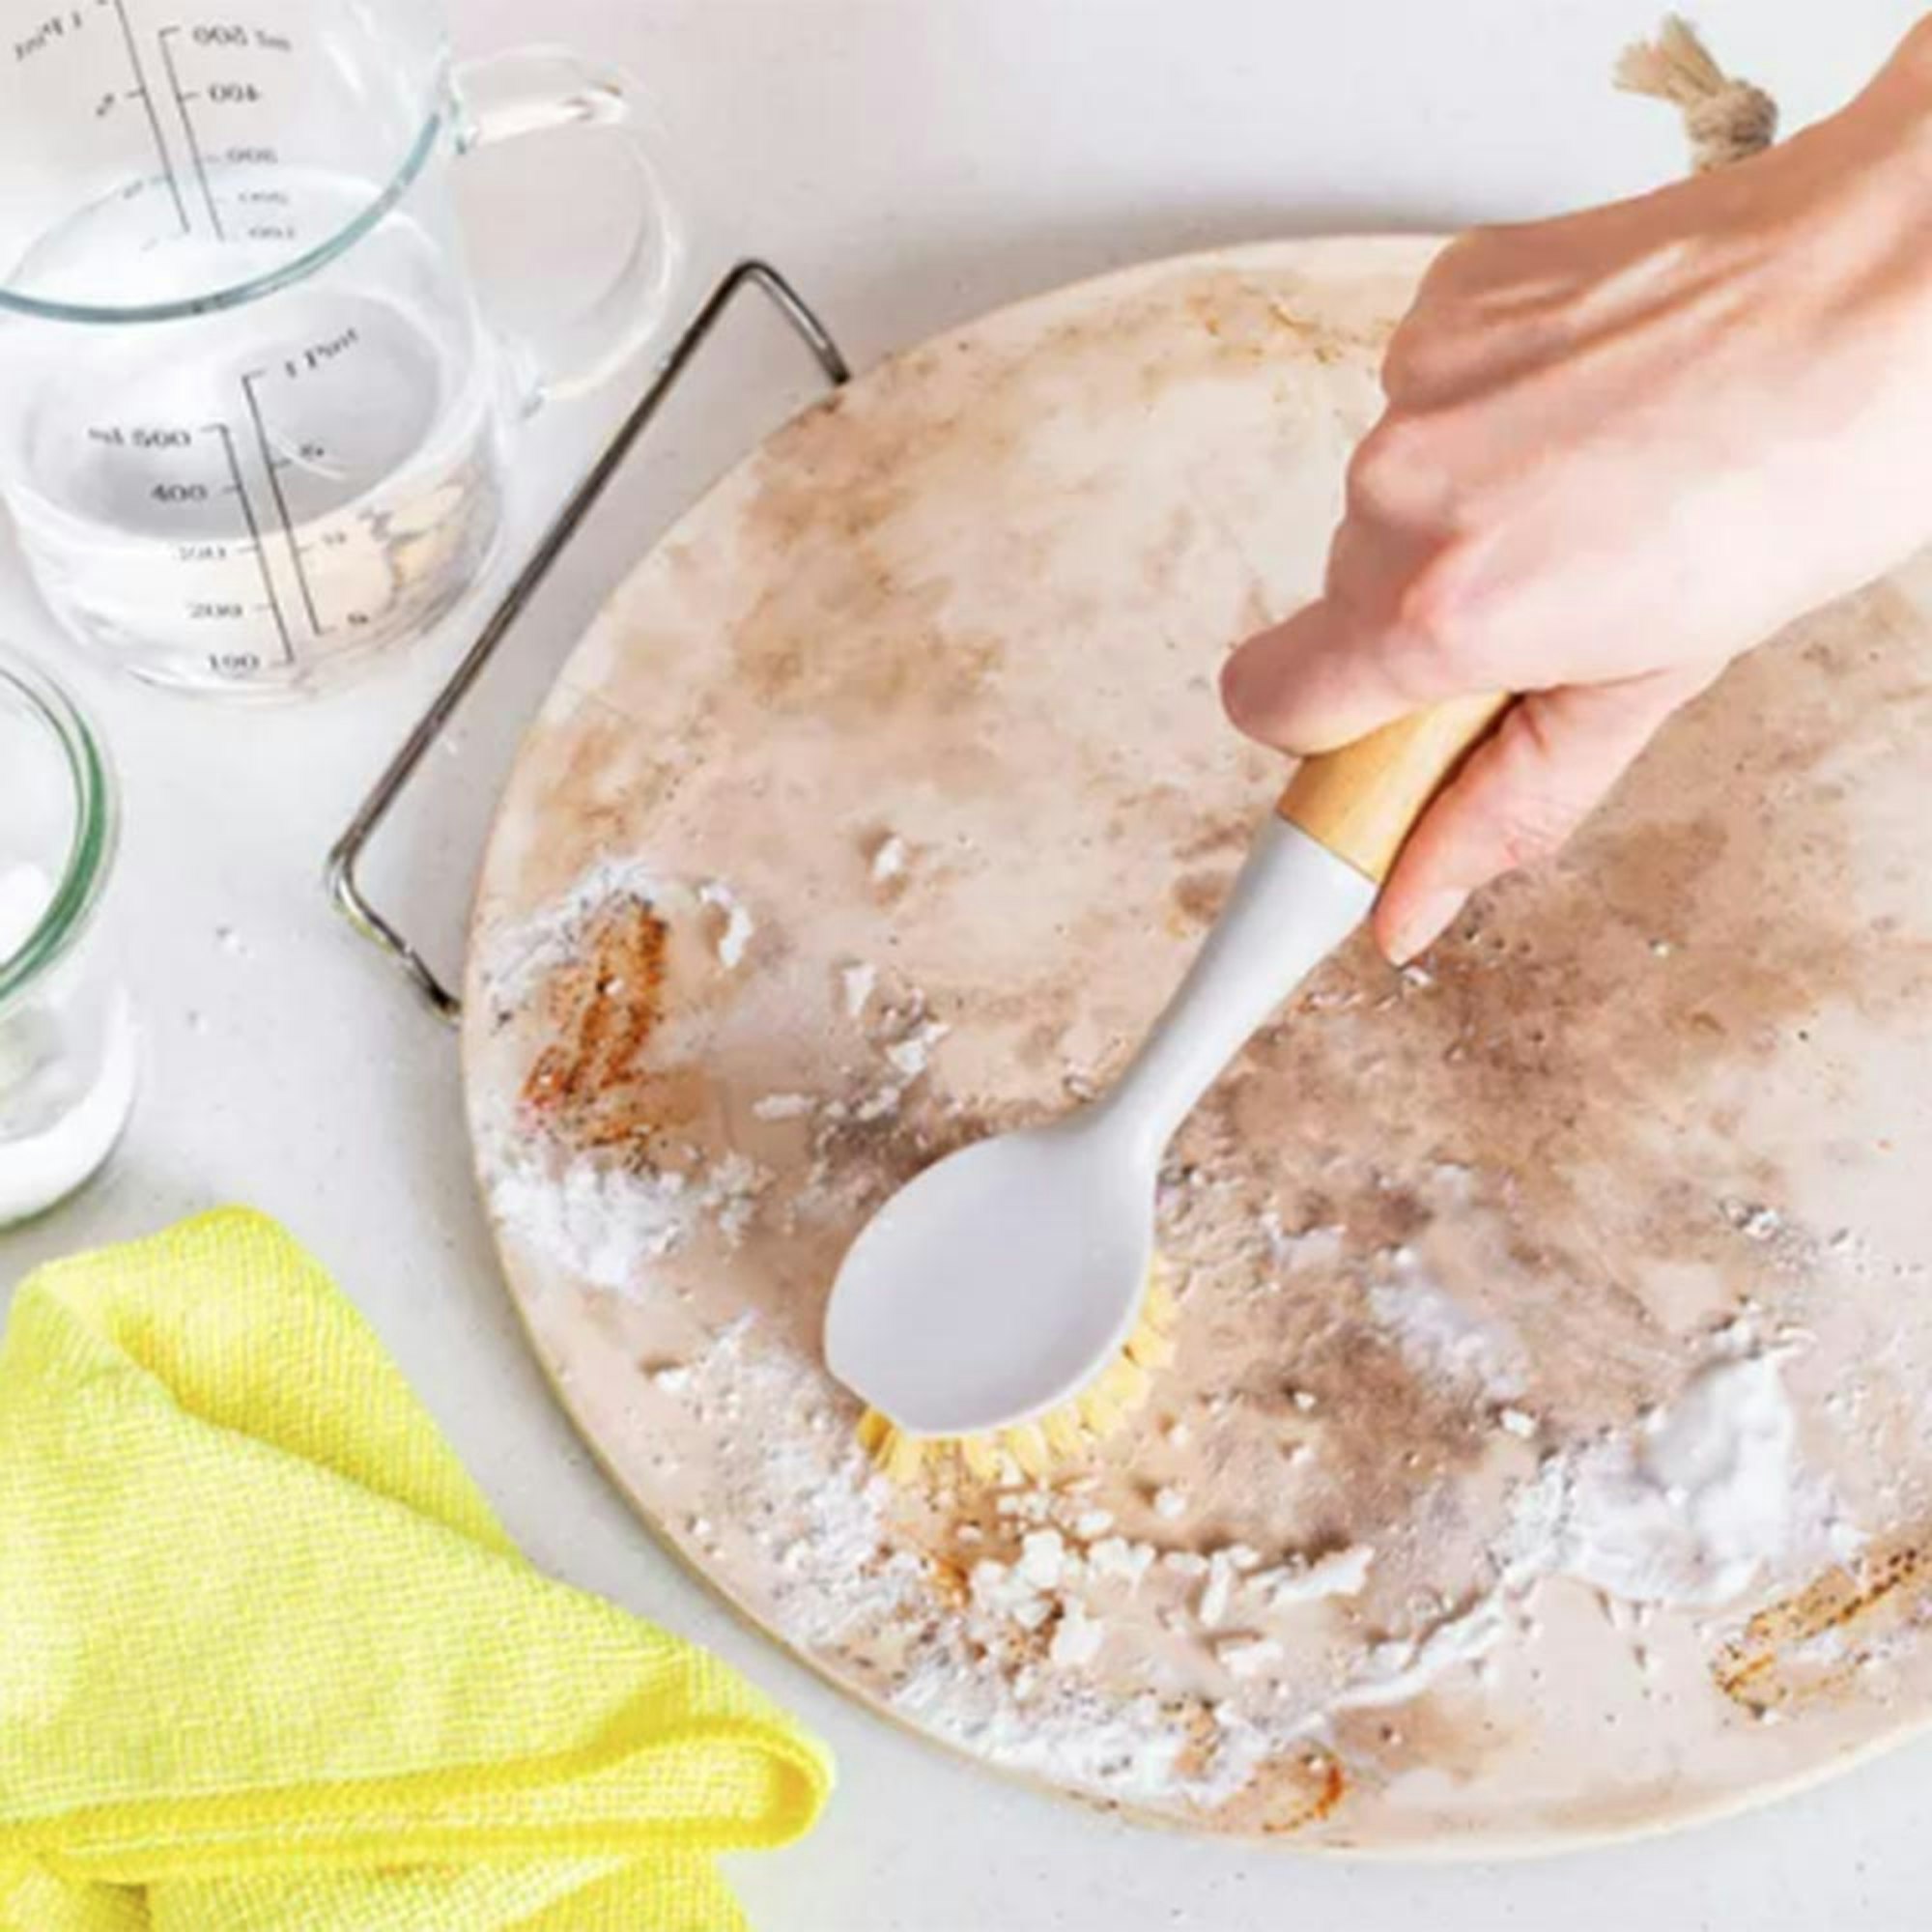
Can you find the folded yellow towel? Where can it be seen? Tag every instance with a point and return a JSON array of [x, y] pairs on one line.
[[267, 1663]]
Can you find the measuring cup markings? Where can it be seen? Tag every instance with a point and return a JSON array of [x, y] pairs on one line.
[[334, 466], [229, 90], [141, 92], [253, 425]]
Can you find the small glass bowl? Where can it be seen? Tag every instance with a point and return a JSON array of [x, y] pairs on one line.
[[69, 1048]]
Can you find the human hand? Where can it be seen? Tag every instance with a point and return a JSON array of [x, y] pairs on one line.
[[1620, 448]]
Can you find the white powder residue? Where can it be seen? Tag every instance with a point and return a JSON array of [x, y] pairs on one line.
[[1137, 1749], [1077, 1637], [783, 1107], [1310, 1248], [1128, 1750], [1115, 1557], [737, 926], [1217, 1593], [1405, 1667], [889, 859], [912, 1052], [878, 1104], [603, 1224], [1002, 1590], [731, 1191], [796, 1484], [68, 1067], [1342, 1573], [521, 956], [1043, 1559], [25, 892], [855, 983], [1702, 1502], [606, 1225], [1248, 1656], [1440, 1339]]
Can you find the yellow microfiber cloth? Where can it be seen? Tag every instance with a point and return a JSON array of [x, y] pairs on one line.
[[268, 1662]]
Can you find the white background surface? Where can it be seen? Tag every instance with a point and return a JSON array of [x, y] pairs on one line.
[[909, 162]]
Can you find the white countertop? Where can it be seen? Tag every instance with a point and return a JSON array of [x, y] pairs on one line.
[[909, 166]]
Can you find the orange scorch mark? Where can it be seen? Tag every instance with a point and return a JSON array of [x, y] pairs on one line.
[[1758, 1669], [600, 1010], [1328, 1794]]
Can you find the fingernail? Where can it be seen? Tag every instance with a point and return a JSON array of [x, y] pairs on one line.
[[1424, 922]]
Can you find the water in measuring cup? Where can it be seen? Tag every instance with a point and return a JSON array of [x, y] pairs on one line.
[[254, 498]]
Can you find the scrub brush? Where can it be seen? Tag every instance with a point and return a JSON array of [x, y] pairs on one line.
[[998, 1300], [1064, 1434]]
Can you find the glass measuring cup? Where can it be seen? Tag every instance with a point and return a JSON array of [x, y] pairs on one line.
[[68, 1052], [252, 423]]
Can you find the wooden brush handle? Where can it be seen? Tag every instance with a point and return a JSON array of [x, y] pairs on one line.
[[1361, 801]]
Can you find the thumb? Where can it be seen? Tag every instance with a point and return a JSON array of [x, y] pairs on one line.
[[1331, 674], [1521, 794]]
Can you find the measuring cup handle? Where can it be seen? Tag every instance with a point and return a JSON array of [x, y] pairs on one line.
[[527, 91]]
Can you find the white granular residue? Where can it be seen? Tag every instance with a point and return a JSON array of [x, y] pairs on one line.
[[878, 1104], [855, 983], [735, 933], [1115, 1557], [1342, 1573], [889, 859], [1043, 1557], [519, 957], [1439, 1338], [731, 1191], [603, 1225], [1217, 1593], [1702, 1501], [1310, 1248], [25, 892], [810, 1499], [606, 1225], [1077, 1637], [912, 1053], [783, 1107], [69, 1066], [1403, 1669], [1248, 1656]]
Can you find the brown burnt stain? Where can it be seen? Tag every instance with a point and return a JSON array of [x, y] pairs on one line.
[[1889, 1589], [951, 1579], [852, 629], [877, 1157], [1221, 836], [1198, 896], [1286, 1795], [589, 798], [1550, 1038], [588, 1087]]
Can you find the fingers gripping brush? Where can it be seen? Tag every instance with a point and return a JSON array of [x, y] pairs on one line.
[[1007, 1298]]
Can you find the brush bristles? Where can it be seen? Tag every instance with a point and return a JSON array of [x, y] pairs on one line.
[[1064, 1434]]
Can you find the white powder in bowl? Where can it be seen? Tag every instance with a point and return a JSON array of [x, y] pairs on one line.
[[69, 1066]]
